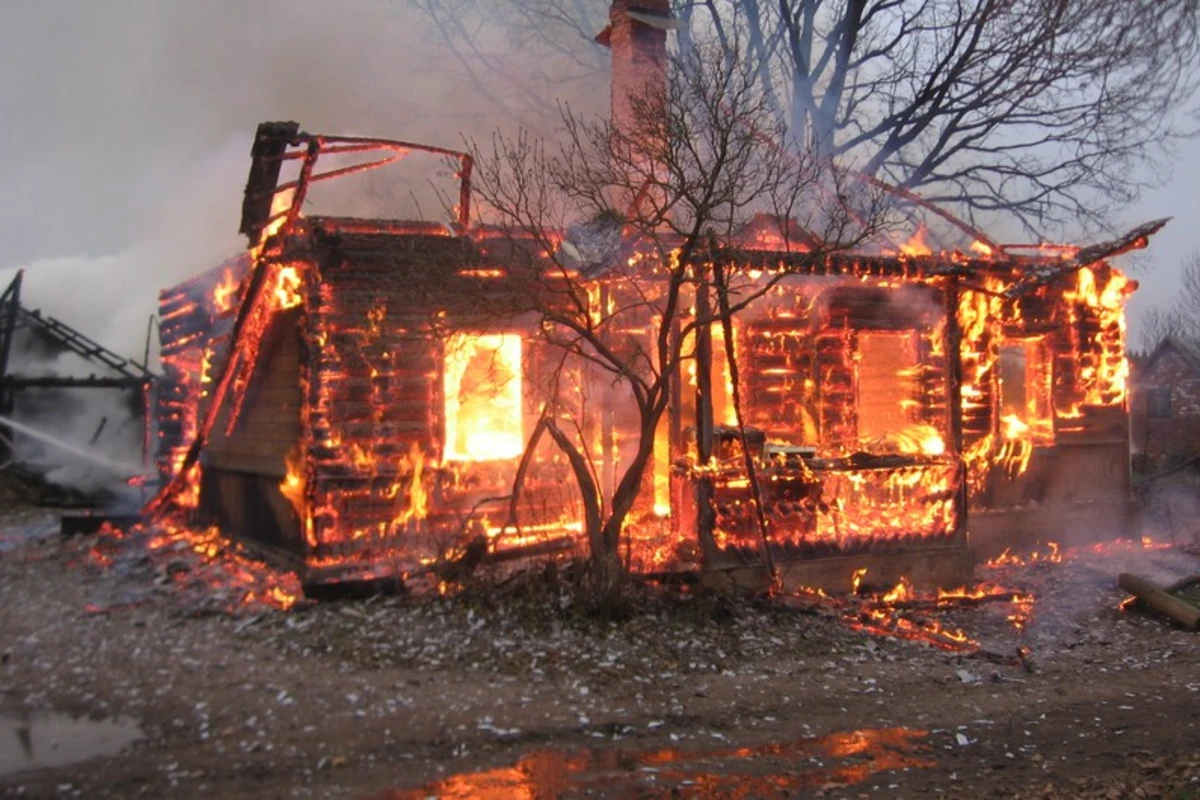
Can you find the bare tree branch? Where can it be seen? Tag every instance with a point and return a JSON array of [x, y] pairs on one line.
[[1042, 109]]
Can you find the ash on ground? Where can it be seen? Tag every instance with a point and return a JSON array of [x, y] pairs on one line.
[[1062, 696]]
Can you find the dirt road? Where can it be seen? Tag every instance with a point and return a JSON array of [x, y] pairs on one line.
[[462, 698]]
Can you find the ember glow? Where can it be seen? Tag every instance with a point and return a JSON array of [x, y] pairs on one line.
[[888, 614], [202, 562]]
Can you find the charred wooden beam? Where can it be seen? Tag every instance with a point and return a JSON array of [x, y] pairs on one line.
[[63, 382], [1135, 239], [77, 343], [270, 142], [1182, 612]]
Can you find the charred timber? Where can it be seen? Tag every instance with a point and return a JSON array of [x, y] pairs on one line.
[[1182, 612], [60, 382]]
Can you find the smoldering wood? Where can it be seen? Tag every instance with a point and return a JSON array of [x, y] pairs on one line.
[[926, 569], [1136, 239], [270, 150], [1181, 612], [270, 141]]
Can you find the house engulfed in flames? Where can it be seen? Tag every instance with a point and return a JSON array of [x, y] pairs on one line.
[[364, 396]]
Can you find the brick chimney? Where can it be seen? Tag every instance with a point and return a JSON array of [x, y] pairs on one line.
[[637, 37]]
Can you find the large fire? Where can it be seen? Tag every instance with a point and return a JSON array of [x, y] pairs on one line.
[[862, 404], [482, 385], [849, 382]]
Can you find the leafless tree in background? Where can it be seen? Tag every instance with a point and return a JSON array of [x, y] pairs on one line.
[[1041, 109], [517, 60], [647, 205], [1180, 318]]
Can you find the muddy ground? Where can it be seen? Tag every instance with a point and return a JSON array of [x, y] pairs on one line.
[[526, 697]]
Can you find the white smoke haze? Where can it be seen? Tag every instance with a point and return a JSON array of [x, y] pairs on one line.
[[125, 149], [110, 297]]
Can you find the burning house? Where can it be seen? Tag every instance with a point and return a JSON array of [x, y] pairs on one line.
[[379, 397], [365, 394]]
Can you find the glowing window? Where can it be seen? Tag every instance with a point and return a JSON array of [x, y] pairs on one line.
[[482, 386], [887, 383], [1023, 368]]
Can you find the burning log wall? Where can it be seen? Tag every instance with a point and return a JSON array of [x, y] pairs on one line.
[[415, 406], [195, 319], [1045, 412], [346, 448], [848, 382]]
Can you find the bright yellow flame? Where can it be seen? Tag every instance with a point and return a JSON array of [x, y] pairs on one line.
[[916, 246], [901, 592], [1103, 374], [856, 579], [918, 438], [287, 288], [418, 497], [1014, 427], [482, 385], [292, 485], [224, 292]]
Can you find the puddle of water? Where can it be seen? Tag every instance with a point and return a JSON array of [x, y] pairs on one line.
[[769, 770], [35, 741]]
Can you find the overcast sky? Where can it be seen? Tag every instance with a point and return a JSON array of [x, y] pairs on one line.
[[126, 129]]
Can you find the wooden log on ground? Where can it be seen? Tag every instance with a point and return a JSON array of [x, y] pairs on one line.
[[1186, 614]]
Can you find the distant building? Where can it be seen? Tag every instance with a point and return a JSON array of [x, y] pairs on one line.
[[1165, 402]]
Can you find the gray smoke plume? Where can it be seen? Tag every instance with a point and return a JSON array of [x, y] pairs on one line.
[[125, 148]]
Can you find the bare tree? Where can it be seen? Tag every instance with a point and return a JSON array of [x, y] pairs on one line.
[[647, 206], [1182, 316], [513, 61], [1039, 108]]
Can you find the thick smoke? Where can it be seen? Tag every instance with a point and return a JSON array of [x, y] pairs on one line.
[[125, 150]]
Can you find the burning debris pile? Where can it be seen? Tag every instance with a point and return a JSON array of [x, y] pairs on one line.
[[199, 571]]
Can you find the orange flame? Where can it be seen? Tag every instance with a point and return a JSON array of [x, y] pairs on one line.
[[417, 508], [293, 483], [901, 592], [225, 291], [287, 288], [1008, 558], [1105, 371], [916, 245], [856, 579]]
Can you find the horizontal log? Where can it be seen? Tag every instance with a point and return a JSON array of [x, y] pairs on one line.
[[1184, 613]]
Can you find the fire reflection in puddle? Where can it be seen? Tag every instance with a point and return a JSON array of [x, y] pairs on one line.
[[37, 741], [764, 771]]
